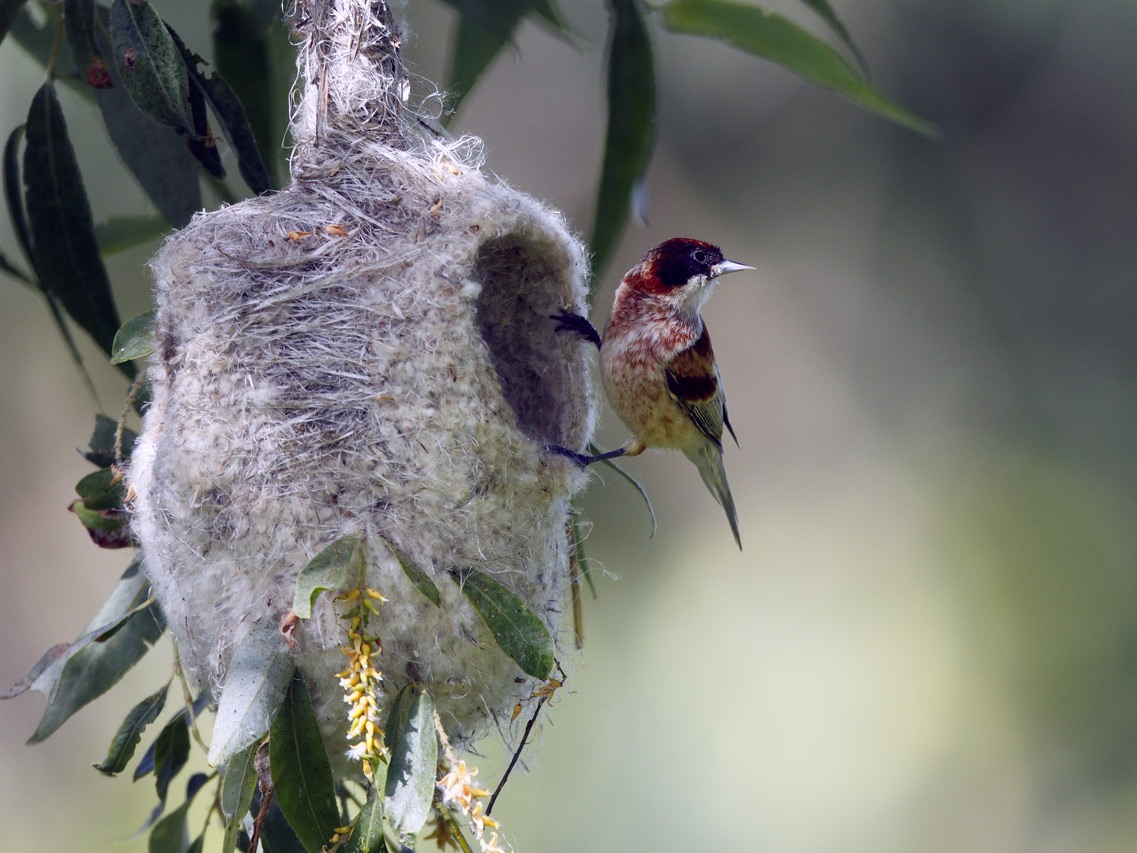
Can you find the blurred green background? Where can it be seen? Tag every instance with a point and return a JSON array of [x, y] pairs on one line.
[[930, 641]]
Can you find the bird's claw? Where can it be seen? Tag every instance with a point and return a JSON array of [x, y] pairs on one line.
[[567, 321], [579, 458]]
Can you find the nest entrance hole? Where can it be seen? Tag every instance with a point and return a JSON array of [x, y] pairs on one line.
[[523, 281]]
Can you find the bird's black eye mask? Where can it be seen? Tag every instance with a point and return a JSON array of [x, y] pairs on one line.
[[677, 265]]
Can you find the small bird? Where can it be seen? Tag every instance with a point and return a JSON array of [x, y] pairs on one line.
[[658, 368]]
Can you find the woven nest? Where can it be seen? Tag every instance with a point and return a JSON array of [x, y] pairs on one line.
[[365, 352]]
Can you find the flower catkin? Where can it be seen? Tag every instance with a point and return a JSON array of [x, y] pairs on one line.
[[369, 352]]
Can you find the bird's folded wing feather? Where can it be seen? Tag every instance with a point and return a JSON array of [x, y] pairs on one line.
[[693, 380]]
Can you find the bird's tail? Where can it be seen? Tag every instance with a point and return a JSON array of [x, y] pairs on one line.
[[708, 459]]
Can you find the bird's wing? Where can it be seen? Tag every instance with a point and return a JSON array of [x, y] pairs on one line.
[[693, 380]]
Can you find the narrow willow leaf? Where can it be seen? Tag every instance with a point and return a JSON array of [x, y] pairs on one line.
[[171, 752], [147, 763], [135, 339], [475, 48], [277, 836], [120, 233], [416, 575], [201, 142], [631, 129], [367, 836], [238, 784], [169, 834], [124, 602], [198, 845], [79, 25], [89, 667], [244, 47], [413, 761], [825, 11], [149, 63], [8, 11], [773, 37], [231, 114], [101, 448], [155, 154], [301, 773], [66, 256], [15, 201], [520, 632], [255, 683], [129, 734], [340, 566]]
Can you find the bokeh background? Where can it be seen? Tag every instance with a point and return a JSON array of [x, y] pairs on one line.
[[930, 640]]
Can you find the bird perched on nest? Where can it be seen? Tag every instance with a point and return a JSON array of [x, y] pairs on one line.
[[658, 368]]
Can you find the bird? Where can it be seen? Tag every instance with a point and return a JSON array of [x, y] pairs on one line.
[[657, 366]]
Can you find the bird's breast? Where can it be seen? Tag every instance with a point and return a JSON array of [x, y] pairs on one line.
[[632, 369]]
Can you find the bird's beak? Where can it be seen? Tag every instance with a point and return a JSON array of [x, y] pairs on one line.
[[725, 266]]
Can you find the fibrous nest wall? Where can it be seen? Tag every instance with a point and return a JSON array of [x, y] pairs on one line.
[[368, 351]]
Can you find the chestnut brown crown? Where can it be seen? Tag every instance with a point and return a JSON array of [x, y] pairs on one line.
[[673, 263]]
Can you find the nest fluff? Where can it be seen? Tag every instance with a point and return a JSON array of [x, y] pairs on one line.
[[365, 352]]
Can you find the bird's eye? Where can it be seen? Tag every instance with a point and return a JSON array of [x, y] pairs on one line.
[[699, 256]]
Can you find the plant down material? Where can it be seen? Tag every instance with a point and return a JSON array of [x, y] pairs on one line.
[[367, 352]]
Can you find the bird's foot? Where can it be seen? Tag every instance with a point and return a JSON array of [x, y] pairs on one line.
[[634, 447], [567, 321]]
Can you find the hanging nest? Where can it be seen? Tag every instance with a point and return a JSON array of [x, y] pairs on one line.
[[367, 352]]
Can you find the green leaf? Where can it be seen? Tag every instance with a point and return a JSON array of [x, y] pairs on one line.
[[827, 14], [135, 339], [475, 48], [340, 566], [413, 760], [149, 63], [631, 129], [72, 674], [238, 784], [773, 37], [246, 48], [155, 154], [8, 11], [99, 490], [201, 142], [301, 773], [169, 835], [79, 25], [186, 715], [416, 575], [66, 256], [519, 632], [367, 836], [101, 447], [255, 683], [171, 752], [231, 114], [129, 734], [276, 835], [120, 233]]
